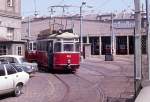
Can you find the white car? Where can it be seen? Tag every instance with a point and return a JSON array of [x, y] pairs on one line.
[[20, 60], [12, 80]]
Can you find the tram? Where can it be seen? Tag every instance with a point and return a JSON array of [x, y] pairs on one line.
[[30, 53], [58, 51]]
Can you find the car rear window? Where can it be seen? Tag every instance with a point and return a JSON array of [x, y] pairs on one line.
[[2, 71]]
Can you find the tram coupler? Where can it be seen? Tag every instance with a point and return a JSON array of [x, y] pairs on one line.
[[69, 66]]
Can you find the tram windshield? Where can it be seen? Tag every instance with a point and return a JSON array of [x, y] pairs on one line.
[[68, 47]]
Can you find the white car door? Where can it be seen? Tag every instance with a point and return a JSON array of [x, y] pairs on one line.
[[6, 83], [12, 73]]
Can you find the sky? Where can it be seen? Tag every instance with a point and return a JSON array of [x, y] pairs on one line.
[[98, 6]]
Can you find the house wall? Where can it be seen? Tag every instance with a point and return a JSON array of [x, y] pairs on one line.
[[10, 24]]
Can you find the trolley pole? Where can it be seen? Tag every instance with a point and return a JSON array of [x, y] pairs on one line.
[[148, 36], [137, 56], [81, 25]]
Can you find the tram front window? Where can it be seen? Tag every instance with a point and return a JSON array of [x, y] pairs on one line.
[[68, 47]]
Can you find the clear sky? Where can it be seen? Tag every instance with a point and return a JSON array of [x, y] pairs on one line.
[[99, 6]]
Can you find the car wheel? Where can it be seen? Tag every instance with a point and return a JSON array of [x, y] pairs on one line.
[[18, 90]]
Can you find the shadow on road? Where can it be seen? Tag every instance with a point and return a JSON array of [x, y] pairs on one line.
[[57, 72], [5, 96]]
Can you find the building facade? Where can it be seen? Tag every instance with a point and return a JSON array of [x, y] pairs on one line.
[[97, 31], [10, 28]]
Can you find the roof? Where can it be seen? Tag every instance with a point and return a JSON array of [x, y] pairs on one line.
[[67, 35], [2, 39]]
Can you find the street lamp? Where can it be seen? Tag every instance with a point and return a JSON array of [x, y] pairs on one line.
[[81, 27], [112, 36], [81, 36]]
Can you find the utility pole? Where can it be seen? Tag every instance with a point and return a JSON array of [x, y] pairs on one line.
[[137, 53], [29, 32], [81, 28], [50, 18], [148, 36], [112, 36]]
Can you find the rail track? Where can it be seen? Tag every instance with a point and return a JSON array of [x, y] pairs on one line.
[[67, 88], [100, 73], [97, 86]]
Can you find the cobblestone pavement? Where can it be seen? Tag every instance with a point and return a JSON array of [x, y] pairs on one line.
[[95, 81]]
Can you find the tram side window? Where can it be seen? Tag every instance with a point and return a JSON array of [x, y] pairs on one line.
[[38, 46], [68, 47], [44, 46], [57, 47]]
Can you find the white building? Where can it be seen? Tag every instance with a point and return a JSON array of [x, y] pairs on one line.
[[10, 28]]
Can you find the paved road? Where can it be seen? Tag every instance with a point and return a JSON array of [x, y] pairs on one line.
[[95, 81], [38, 89]]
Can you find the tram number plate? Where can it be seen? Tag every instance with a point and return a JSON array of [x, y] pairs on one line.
[[68, 56]]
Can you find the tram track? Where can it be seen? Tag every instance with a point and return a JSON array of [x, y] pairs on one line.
[[100, 73], [97, 86], [67, 88]]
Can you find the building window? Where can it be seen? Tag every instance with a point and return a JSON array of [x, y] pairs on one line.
[[19, 50], [3, 50], [10, 33], [10, 3]]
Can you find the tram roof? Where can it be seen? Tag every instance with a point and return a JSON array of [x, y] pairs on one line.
[[64, 35], [67, 35]]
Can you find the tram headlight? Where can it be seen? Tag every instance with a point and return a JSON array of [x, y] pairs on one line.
[[68, 61]]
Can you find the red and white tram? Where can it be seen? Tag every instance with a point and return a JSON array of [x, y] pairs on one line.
[[30, 53], [58, 51]]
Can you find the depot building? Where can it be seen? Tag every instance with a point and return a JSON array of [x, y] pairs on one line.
[[97, 31]]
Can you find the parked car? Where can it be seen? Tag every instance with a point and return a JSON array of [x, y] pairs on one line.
[[20, 61], [12, 80], [23, 68]]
